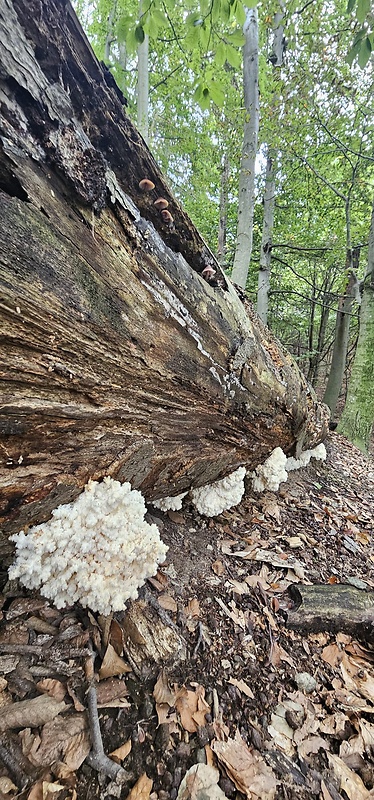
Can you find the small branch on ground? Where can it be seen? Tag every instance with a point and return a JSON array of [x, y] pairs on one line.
[[15, 770], [97, 759]]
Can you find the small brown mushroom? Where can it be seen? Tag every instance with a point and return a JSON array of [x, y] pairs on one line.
[[146, 185], [161, 203], [208, 273], [166, 216]]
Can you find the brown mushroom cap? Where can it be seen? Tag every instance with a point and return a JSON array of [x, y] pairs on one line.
[[208, 272], [146, 185], [161, 203], [166, 216]]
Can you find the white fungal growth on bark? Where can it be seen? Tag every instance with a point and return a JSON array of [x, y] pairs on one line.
[[97, 550], [274, 471], [219, 496]]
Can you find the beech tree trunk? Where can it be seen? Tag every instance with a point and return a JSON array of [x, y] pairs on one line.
[[118, 357], [357, 420], [341, 341], [266, 242], [142, 90], [246, 196]]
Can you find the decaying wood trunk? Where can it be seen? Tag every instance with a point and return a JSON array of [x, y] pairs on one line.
[[117, 356], [333, 608]]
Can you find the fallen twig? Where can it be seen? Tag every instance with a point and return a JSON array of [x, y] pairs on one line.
[[42, 651], [200, 640], [15, 770], [97, 758]]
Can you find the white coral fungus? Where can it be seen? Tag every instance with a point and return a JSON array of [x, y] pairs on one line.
[[271, 473], [217, 497], [170, 503], [275, 469], [97, 550], [318, 452]]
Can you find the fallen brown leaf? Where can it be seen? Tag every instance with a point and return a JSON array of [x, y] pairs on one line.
[[311, 745], [192, 609], [176, 517], [53, 687], [116, 637], [246, 768], [218, 567], [142, 788], [332, 655], [123, 751], [110, 689], [167, 602], [348, 780], [65, 740], [356, 678], [162, 691], [24, 605], [112, 664], [192, 708], [242, 686]]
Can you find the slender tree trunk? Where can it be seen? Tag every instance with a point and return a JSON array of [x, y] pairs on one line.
[[143, 84], [267, 232], [325, 311], [358, 416], [269, 194], [223, 196], [339, 353], [246, 198], [109, 36], [311, 354]]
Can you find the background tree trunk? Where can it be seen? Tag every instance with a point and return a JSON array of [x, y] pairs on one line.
[[142, 92], [358, 416], [341, 341], [267, 234], [223, 199], [117, 356], [246, 198]]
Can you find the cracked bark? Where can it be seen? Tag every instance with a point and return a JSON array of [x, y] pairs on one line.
[[117, 358]]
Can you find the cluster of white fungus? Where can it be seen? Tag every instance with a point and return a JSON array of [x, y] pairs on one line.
[[274, 471], [271, 473], [219, 496], [170, 503], [97, 550], [319, 453]]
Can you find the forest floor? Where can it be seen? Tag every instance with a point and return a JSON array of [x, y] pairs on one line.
[[275, 712]]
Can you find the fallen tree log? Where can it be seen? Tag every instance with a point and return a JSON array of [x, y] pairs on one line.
[[117, 356], [335, 608]]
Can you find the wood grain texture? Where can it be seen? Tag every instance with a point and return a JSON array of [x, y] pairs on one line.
[[117, 357]]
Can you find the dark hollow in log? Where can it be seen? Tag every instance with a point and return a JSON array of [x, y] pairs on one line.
[[336, 608], [117, 356]]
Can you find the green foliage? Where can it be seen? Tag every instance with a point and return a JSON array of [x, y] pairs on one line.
[[364, 38], [316, 113]]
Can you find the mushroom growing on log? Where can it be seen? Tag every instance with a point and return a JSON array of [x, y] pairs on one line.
[[118, 358]]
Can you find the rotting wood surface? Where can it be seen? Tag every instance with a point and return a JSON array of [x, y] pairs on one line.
[[117, 357]]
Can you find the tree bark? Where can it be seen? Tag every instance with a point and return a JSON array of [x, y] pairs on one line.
[[266, 242], [357, 420], [142, 91], [223, 199], [246, 198], [333, 608], [118, 357], [341, 341]]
